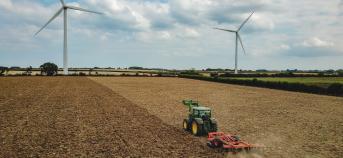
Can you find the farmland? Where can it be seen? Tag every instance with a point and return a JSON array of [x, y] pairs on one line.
[[290, 124], [136, 116], [76, 117]]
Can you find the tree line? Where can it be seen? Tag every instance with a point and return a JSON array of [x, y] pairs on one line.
[[335, 89]]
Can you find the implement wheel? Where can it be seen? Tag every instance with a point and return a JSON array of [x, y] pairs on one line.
[[196, 128], [216, 143]]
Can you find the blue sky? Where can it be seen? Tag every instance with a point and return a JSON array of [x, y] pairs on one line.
[[282, 34]]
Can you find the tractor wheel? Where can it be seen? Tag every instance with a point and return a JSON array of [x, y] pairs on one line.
[[185, 125], [196, 129]]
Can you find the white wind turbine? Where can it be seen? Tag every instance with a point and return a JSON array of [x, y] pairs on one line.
[[238, 38], [64, 8]]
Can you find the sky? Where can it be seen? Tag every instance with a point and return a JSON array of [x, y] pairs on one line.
[[175, 34]]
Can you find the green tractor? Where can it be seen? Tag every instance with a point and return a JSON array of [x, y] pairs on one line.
[[199, 120]]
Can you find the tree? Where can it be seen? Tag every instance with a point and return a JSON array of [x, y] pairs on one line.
[[28, 70], [330, 71], [340, 72], [2, 70], [49, 69], [90, 71]]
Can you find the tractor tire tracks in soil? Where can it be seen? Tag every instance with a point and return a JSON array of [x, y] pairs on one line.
[[76, 117]]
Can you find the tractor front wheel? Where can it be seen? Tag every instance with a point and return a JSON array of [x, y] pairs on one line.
[[196, 128], [185, 125]]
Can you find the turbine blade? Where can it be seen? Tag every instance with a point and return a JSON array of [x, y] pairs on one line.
[[240, 40], [224, 29], [62, 2], [81, 9], [56, 14], [240, 27]]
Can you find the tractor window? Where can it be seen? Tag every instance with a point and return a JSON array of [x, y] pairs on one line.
[[195, 103], [195, 112], [205, 112]]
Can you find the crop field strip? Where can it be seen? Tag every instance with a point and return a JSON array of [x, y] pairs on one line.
[[290, 124], [76, 117]]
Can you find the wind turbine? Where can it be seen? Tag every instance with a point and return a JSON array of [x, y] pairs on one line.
[[64, 8], [238, 38]]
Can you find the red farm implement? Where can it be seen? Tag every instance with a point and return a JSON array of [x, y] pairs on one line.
[[228, 142]]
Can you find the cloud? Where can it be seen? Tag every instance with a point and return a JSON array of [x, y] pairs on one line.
[[312, 47], [6, 4], [221, 12], [340, 7], [188, 33], [310, 52], [124, 14], [316, 42], [279, 29], [285, 47], [153, 36], [140, 16]]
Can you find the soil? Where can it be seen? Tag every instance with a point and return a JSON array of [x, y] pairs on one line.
[[288, 124], [77, 117]]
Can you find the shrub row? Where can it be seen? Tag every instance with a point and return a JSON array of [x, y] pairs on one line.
[[335, 89], [285, 74]]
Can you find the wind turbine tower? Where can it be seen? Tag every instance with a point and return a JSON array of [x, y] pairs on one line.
[[238, 38], [65, 8]]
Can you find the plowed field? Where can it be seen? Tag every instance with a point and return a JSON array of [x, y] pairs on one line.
[[77, 117], [289, 124]]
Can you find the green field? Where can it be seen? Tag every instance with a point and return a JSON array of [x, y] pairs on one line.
[[320, 81]]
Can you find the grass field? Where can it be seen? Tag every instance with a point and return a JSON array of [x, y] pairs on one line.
[[321, 81]]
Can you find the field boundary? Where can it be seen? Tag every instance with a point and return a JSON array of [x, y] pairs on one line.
[[335, 89]]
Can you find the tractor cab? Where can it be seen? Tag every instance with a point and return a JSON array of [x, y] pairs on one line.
[[200, 112]]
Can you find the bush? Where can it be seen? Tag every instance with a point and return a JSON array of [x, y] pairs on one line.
[[82, 74], [214, 74], [335, 88], [340, 73], [189, 72]]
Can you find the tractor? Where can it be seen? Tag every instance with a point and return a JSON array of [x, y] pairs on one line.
[[199, 121]]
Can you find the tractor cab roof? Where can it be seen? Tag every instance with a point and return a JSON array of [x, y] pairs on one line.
[[201, 108]]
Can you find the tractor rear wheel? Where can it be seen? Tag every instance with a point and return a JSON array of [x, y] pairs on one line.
[[214, 127], [185, 125], [196, 128]]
